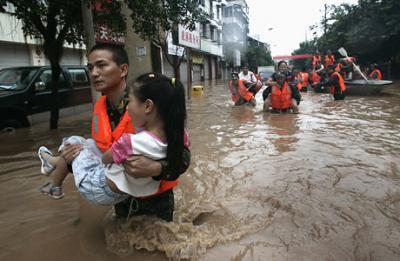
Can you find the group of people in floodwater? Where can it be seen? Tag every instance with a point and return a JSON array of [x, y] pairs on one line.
[[284, 87], [139, 145]]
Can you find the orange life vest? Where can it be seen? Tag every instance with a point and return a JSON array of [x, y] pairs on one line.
[[315, 78], [329, 59], [281, 98], [341, 83], [104, 136], [101, 128], [244, 93], [338, 67], [375, 74], [304, 79]]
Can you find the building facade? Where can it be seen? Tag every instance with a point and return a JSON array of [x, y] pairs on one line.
[[235, 17], [18, 50]]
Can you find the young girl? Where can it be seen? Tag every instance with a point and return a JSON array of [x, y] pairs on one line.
[[157, 106]]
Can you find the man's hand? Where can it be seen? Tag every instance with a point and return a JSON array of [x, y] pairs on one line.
[[70, 152], [141, 167]]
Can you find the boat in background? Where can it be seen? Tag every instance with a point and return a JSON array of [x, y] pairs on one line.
[[366, 87]]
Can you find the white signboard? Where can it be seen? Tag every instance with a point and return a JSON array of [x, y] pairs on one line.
[[189, 38], [172, 48], [141, 51], [175, 49]]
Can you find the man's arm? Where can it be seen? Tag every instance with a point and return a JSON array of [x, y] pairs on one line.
[[168, 173], [295, 93], [140, 167]]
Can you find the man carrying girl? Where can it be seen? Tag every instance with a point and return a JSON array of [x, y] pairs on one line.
[[108, 67]]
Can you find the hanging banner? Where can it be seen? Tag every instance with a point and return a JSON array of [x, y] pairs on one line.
[[287, 57], [189, 38]]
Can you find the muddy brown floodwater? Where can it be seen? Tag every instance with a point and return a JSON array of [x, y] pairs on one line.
[[320, 185]]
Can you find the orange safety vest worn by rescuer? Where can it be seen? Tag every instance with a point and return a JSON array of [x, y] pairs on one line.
[[341, 83], [304, 79], [338, 67], [281, 98], [241, 91], [315, 78], [104, 136], [375, 74], [329, 59]]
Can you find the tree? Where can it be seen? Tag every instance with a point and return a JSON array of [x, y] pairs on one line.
[[57, 23], [369, 30], [256, 55], [152, 18]]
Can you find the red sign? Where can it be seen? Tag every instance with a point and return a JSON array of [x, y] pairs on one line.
[[104, 35], [292, 57]]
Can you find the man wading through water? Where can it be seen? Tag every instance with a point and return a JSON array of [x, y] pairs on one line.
[[108, 68]]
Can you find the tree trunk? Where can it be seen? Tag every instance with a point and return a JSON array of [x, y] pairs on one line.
[[90, 40], [55, 76], [176, 65]]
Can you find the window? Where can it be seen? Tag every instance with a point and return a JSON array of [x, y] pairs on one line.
[[45, 77], [204, 30], [78, 77]]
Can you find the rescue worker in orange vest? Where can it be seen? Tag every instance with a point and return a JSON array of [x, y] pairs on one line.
[[305, 78], [249, 80], [329, 59], [336, 83], [295, 78], [240, 94], [281, 96], [108, 67], [375, 74], [316, 58]]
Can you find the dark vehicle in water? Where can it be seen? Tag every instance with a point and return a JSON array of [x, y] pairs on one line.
[[26, 91]]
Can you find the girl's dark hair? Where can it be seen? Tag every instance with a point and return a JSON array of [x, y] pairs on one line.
[[168, 96]]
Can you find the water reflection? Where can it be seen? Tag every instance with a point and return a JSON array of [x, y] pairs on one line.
[[283, 130]]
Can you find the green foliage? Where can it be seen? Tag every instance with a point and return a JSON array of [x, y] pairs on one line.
[[152, 17], [369, 30], [257, 56]]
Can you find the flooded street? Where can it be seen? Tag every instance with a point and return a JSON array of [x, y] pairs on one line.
[[320, 185]]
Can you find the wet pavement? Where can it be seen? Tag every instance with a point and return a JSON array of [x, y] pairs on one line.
[[320, 185]]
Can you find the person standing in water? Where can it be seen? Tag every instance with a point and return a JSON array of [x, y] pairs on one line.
[[249, 80], [108, 68], [280, 96], [157, 106], [375, 74], [336, 84]]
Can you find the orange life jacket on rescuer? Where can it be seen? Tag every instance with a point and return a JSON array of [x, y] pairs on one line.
[[281, 98], [104, 136], [101, 128], [315, 78], [338, 67], [341, 83], [375, 74], [241, 91], [304, 79]]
